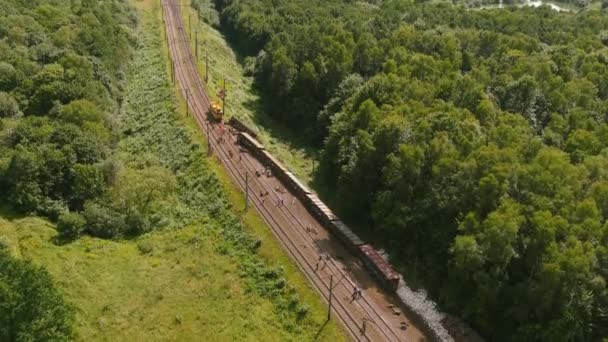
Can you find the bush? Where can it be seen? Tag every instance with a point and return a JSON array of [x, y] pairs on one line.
[[302, 311], [31, 309], [249, 68], [51, 208], [8, 76], [70, 225], [145, 247], [103, 222], [8, 106]]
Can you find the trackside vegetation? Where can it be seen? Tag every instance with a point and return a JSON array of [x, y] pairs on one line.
[[471, 144]]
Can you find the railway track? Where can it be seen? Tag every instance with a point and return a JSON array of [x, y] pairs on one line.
[[351, 313]]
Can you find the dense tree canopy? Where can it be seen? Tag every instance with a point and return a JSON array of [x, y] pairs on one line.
[[472, 143], [61, 80]]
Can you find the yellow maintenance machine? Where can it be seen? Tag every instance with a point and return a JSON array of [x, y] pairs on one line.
[[216, 111]]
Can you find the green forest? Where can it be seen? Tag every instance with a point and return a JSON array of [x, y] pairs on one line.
[[60, 76], [471, 144]]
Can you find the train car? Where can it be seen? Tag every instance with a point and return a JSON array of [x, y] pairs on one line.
[[250, 143], [296, 186], [320, 210], [277, 168], [236, 123], [280, 171], [350, 239], [379, 267]]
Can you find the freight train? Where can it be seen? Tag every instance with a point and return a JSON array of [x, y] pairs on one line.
[[373, 261]]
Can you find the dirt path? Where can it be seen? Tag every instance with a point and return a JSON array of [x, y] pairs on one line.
[[289, 221]]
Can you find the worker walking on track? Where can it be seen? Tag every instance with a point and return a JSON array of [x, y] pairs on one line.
[[364, 326], [356, 292]]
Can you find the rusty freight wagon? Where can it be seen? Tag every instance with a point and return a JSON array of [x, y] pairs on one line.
[[379, 267]]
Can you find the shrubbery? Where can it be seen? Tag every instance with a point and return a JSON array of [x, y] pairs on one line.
[[70, 225], [8, 106], [31, 309]]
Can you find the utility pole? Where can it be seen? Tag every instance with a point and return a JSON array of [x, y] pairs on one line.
[[246, 190], [208, 140], [173, 72], [206, 65], [187, 102], [189, 26], [196, 44], [224, 98], [331, 289]]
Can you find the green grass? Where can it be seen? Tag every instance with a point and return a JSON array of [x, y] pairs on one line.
[[181, 290], [242, 101]]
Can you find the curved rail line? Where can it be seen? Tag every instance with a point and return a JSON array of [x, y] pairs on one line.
[[222, 148], [199, 111], [179, 74]]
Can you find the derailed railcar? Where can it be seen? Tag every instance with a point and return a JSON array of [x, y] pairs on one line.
[[347, 236], [254, 146], [296, 186], [319, 210], [379, 267], [277, 168], [241, 127]]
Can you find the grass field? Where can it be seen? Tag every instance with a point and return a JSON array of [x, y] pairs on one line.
[[200, 280], [179, 290]]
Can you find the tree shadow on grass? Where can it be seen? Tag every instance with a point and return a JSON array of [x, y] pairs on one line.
[[8, 212], [279, 131]]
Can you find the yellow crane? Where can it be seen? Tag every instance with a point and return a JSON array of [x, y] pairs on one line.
[[215, 110]]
